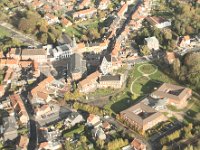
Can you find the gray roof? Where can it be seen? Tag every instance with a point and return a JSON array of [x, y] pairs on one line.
[[33, 52], [77, 63], [110, 78], [141, 113], [171, 91]]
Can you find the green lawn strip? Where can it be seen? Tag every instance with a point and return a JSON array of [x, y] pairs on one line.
[[75, 129]]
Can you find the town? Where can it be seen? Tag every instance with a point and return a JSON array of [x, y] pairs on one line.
[[100, 75]]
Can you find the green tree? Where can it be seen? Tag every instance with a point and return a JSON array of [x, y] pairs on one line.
[[145, 50]]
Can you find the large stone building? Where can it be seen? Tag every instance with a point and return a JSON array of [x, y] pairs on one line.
[[142, 116], [174, 94]]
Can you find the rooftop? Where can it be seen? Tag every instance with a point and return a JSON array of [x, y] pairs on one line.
[[141, 113]]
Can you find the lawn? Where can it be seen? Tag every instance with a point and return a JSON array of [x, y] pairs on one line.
[[74, 130], [3, 32], [147, 68]]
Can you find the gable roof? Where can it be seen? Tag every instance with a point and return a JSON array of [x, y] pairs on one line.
[[132, 114], [171, 91]]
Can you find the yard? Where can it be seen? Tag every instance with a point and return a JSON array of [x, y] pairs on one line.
[[78, 28], [143, 79], [74, 130], [3, 32]]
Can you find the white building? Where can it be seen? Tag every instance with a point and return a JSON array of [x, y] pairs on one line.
[[152, 43]]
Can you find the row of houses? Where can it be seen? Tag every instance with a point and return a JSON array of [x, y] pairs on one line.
[[17, 116]]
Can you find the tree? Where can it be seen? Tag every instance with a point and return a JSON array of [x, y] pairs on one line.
[[145, 50], [100, 143], [167, 34], [176, 67]]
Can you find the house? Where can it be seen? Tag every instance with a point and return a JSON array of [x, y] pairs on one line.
[[106, 125], [19, 108], [152, 43], [93, 119], [175, 95], [62, 52], [90, 83], [12, 63], [98, 133], [184, 41], [2, 90], [142, 116], [51, 139], [73, 119], [169, 57], [40, 93], [10, 128], [138, 145], [77, 67], [84, 4], [158, 22], [103, 4], [38, 55], [22, 142], [65, 22], [106, 65], [51, 19], [122, 10], [86, 13], [111, 81]]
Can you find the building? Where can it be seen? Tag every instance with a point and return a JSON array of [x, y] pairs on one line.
[[22, 142], [84, 4], [184, 41], [138, 145], [62, 52], [9, 128], [92, 120], [65, 22], [174, 94], [98, 133], [77, 67], [38, 55], [73, 119], [51, 19], [142, 116], [122, 10], [103, 4], [84, 14], [90, 83], [106, 65], [111, 81], [46, 90], [152, 43], [169, 57], [158, 22], [19, 108]]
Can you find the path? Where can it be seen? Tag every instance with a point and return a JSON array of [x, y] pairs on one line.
[[20, 36], [143, 75]]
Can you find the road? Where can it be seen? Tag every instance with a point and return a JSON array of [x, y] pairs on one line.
[[30, 41], [33, 135], [127, 130]]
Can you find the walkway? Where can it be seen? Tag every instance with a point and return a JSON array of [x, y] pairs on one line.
[[143, 75]]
